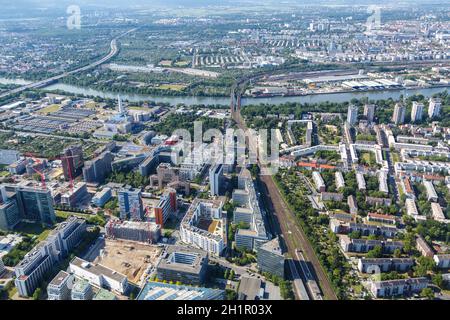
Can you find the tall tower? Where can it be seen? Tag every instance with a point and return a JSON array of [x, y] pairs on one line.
[[417, 111], [434, 108], [399, 114], [121, 107], [352, 114]]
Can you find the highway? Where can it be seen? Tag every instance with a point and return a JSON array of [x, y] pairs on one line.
[[284, 220], [42, 83]]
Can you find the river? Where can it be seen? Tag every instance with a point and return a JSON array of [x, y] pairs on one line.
[[191, 100]]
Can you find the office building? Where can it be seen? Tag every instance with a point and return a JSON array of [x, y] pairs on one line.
[[58, 288], [74, 196], [99, 275], [104, 295], [72, 162], [216, 179], [434, 108], [35, 204], [166, 207], [352, 114], [399, 114], [184, 264], [102, 197], [9, 212], [82, 290], [164, 291], [270, 258], [417, 111], [141, 231], [130, 204], [204, 226], [2, 266], [369, 112], [41, 259], [97, 169]]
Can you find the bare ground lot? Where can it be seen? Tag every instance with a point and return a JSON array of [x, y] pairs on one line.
[[129, 258]]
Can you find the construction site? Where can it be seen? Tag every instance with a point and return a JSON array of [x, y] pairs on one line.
[[129, 258]]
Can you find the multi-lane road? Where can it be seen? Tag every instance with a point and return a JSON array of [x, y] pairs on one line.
[[42, 83]]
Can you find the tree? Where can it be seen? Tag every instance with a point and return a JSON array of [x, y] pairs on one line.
[[438, 280], [376, 252], [397, 253], [427, 293], [37, 294]]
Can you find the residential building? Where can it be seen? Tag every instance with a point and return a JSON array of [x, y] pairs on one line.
[[423, 247], [340, 182], [130, 204], [381, 218], [166, 207], [437, 212], [74, 196], [369, 112], [375, 265], [331, 196], [379, 201], [58, 288], [361, 181], [164, 291], [431, 192], [104, 295], [215, 179], [362, 245], [184, 264], [400, 287], [442, 260], [399, 114], [351, 201], [99, 275], [434, 107], [204, 226], [411, 208], [318, 180], [417, 111], [382, 181], [270, 258], [352, 114], [2, 266]]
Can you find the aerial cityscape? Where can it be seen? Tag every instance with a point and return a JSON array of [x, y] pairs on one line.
[[235, 150]]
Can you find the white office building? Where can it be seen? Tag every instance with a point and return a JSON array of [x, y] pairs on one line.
[[215, 179]]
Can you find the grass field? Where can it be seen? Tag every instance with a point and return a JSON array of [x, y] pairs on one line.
[[175, 87], [50, 108], [33, 229]]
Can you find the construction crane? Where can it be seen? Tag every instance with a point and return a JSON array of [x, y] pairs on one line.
[[69, 168], [41, 174]]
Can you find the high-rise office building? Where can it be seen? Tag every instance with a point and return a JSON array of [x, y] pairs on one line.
[[130, 204], [58, 288], [417, 111], [270, 258], [35, 204], [434, 108], [72, 162], [352, 114], [96, 170], [399, 114], [369, 112], [215, 179], [9, 210]]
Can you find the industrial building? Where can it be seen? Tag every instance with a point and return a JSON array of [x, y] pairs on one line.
[[184, 264]]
